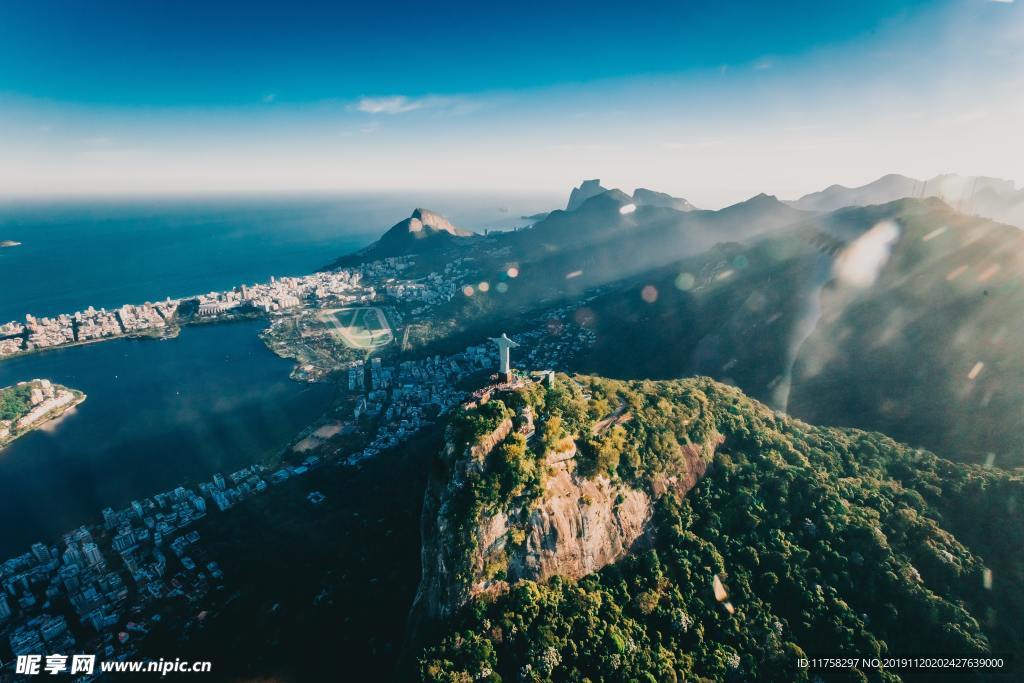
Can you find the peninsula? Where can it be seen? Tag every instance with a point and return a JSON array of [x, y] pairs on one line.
[[29, 405]]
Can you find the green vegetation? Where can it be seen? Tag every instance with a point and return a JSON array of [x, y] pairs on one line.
[[895, 356], [468, 427], [15, 401], [827, 540]]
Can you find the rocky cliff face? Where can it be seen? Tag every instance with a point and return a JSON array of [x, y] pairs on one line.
[[577, 525], [422, 232], [644, 197], [422, 223], [586, 190]]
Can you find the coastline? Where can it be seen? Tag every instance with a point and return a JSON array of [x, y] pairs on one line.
[[78, 398], [168, 332]]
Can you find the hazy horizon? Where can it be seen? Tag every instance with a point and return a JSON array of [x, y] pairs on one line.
[[696, 101]]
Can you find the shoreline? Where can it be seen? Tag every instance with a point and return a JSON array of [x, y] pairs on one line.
[[166, 333], [78, 399]]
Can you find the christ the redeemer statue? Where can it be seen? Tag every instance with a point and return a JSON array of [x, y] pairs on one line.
[[504, 344]]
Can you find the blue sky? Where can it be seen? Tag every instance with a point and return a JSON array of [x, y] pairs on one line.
[[708, 100]]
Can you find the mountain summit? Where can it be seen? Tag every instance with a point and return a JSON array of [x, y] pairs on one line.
[[423, 223], [423, 231], [644, 197], [586, 190]]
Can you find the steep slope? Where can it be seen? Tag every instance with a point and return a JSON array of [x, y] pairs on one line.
[[569, 253], [586, 190], [605, 241], [644, 197], [798, 541], [513, 499], [421, 233], [896, 304]]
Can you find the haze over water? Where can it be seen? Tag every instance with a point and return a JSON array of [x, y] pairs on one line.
[[159, 413], [107, 253]]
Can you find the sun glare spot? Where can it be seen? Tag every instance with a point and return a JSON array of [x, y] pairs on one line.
[[468, 290], [649, 294], [955, 273], [573, 274], [685, 282], [933, 234], [484, 286], [988, 273], [512, 272], [976, 370], [861, 262], [628, 208]]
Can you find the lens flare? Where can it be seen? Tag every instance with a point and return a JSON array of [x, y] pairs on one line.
[[685, 282], [861, 262]]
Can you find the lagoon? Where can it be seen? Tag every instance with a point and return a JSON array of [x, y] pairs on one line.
[[161, 413]]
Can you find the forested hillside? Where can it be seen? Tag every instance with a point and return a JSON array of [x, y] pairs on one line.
[[901, 318], [799, 540]]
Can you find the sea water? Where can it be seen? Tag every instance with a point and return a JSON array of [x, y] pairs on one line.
[[160, 413]]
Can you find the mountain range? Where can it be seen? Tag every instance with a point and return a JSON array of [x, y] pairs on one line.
[[631, 521], [990, 197], [910, 306]]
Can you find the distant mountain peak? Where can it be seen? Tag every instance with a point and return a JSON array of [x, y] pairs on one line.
[[423, 231], [425, 219], [759, 199], [423, 223], [644, 197], [586, 190]]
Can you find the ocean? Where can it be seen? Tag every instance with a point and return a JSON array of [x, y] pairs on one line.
[[160, 413]]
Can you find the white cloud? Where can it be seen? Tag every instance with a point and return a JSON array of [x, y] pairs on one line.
[[396, 104], [401, 104]]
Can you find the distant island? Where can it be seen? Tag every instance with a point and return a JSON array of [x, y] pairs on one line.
[[9, 243], [29, 405]]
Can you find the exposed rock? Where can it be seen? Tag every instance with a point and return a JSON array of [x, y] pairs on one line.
[[577, 526], [645, 197], [487, 444], [423, 232], [421, 224], [586, 190]]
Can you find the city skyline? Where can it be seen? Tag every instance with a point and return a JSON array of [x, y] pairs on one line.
[[713, 104]]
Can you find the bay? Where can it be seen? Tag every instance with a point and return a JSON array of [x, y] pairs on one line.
[[162, 413], [158, 414]]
